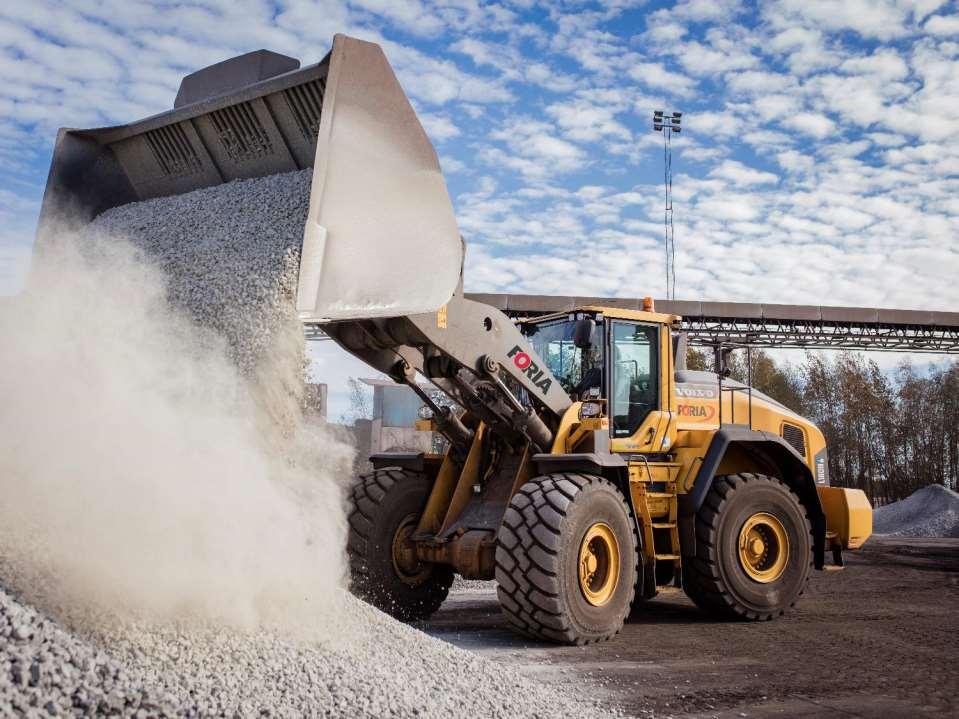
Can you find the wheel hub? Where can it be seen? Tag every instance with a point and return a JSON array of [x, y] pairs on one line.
[[763, 548], [406, 564], [599, 564]]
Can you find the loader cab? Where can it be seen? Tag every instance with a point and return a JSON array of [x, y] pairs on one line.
[[576, 360], [622, 363]]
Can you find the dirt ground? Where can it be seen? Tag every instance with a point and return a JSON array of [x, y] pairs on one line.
[[878, 639]]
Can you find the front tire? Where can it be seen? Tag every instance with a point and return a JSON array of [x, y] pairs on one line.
[[753, 549], [385, 506], [566, 559]]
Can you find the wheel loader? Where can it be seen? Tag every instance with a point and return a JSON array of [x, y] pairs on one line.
[[586, 466]]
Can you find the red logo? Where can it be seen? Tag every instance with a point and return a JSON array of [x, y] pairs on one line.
[[522, 360], [697, 411], [524, 363]]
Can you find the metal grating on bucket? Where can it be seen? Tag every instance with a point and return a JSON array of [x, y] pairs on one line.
[[173, 151], [795, 436], [306, 104], [240, 132]]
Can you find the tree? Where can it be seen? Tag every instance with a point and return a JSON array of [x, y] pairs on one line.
[[697, 359], [888, 434]]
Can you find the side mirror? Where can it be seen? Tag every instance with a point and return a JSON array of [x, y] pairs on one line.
[[584, 331], [722, 360]]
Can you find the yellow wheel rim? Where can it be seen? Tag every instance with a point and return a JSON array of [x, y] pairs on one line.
[[763, 548], [599, 564], [406, 564]]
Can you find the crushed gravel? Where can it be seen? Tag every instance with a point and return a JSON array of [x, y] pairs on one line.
[[932, 511], [47, 671], [229, 255], [371, 666]]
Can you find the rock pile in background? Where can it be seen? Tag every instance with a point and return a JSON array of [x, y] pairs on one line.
[[932, 511]]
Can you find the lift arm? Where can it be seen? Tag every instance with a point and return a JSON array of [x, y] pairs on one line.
[[472, 352]]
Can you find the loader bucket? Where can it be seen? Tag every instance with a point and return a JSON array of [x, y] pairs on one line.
[[379, 210]]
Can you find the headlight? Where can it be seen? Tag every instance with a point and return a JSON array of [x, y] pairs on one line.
[[590, 409]]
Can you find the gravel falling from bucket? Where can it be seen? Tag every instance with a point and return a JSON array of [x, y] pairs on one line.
[[171, 535]]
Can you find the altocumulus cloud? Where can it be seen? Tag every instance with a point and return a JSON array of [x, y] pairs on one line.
[[820, 161]]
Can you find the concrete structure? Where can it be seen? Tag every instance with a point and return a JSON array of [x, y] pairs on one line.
[[395, 411]]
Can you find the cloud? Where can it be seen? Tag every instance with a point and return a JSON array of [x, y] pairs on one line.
[[811, 123], [655, 75], [536, 152], [757, 82], [583, 120], [512, 65], [439, 127], [942, 25], [820, 139], [707, 10], [873, 19], [886, 65], [409, 15], [740, 174], [438, 82], [805, 49], [720, 55]]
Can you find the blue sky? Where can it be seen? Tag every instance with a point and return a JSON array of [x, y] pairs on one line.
[[819, 163]]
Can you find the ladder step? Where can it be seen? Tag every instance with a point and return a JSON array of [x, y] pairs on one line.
[[668, 556], [663, 525], [661, 495]]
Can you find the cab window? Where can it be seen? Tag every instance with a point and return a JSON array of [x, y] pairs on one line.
[[578, 370], [635, 369]]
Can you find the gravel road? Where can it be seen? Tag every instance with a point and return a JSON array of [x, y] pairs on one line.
[[877, 639]]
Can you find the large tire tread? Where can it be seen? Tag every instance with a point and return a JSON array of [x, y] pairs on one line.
[[702, 580], [366, 504], [527, 547]]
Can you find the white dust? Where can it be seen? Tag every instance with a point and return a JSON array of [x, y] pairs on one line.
[[136, 474]]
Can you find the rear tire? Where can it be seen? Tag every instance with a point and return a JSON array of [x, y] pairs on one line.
[[753, 549], [384, 507], [566, 559]]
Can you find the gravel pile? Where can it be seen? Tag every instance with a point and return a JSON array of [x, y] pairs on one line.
[[376, 667], [932, 511], [47, 671], [229, 257], [230, 254]]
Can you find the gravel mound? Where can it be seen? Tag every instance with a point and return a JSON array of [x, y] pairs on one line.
[[230, 254], [229, 257], [378, 667], [47, 671], [932, 511]]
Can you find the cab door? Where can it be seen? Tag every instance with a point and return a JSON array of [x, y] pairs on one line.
[[639, 398]]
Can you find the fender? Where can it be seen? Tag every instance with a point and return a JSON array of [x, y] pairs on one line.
[[610, 466], [413, 461], [768, 450]]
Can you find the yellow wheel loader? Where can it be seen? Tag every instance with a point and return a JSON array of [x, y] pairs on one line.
[[586, 466]]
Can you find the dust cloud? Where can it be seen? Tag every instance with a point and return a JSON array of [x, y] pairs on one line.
[[139, 475]]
